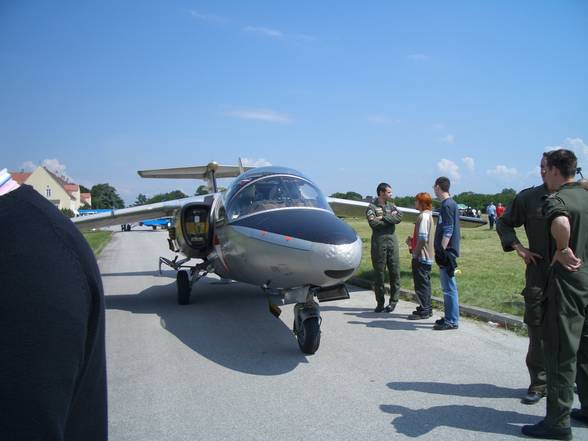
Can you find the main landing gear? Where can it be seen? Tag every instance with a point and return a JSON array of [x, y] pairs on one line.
[[186, 276]]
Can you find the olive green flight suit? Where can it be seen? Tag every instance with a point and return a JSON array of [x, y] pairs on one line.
[[384, 250], [527, 209], [566, 311]]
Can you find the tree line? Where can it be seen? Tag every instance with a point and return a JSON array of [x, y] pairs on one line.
[[479, 201]]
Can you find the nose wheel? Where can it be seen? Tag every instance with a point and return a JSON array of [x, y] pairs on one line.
[[184, 287], [307, 326]]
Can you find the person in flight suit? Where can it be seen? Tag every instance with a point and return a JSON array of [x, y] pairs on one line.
[[383, 216], [566, 310], [526, 209]]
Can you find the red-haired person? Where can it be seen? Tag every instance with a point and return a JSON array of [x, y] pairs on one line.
[[420, 244]]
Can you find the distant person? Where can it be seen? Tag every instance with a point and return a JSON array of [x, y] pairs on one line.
[[525, 210], [566, 319], [52, 353], [382, 215], [499, 210], [447, 236], [491, 212], [420, 245]]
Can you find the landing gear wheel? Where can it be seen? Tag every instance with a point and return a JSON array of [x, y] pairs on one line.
[[183, 286], [309, 335]]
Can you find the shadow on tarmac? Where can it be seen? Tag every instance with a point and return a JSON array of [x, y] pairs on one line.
[[230, 325], [384, 320], [476, 390], [415, 423]]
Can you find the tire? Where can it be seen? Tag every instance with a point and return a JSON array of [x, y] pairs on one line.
[[309, 335], [183, 287]]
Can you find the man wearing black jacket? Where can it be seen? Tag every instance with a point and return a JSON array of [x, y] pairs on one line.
[[52, 354]]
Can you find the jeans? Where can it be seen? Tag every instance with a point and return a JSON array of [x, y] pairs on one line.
[[450, 297]]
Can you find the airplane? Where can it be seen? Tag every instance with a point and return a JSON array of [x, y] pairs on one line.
[[272, 227]]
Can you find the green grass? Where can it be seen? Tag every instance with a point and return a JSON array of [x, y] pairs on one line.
[[489, 278], [98, 240]]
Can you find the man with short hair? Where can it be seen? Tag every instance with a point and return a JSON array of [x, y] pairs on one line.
[[526, 209], [447, 236], [491, 212], [566, 311], [382, 215]]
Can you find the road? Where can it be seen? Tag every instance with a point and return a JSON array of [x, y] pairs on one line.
[[223, 368]]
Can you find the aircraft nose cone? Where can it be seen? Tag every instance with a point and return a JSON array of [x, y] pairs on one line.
[[316, 226]]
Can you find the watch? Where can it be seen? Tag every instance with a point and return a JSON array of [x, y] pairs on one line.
[[566, 250]]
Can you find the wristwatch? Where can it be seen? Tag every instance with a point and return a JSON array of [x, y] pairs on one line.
[[566, 250]]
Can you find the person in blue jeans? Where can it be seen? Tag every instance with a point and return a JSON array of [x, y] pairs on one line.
[[446, 245]]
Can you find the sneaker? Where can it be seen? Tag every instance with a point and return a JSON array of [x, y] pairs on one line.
[[419, 316], [580, 415], [440, 321], [390, 308], [541, 430], [379, 308], [445, 326], [418, 310]]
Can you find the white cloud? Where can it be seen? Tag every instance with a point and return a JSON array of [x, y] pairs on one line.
[[382, 119], [248, 162], [418, 57], [577, 145], [273, 33], [53, 165], [28, 166], [438, 126], [503, 172], [207, 17], [469, 163], [449, 168], [449, 139], [266, 115]]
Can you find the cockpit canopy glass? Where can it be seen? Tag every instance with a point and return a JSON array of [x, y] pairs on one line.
[[271, 192]]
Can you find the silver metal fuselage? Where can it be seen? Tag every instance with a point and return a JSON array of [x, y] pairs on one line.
[[282, 261]]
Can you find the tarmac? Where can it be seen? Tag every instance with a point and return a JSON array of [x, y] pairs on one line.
[[223, 368]]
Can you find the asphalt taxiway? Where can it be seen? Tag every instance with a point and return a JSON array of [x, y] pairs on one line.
[[223, 368]]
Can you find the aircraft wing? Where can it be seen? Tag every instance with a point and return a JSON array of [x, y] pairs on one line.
[[134, 214], [196, 172], [350, 208]]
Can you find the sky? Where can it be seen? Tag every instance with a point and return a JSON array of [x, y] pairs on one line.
[[349, 93]]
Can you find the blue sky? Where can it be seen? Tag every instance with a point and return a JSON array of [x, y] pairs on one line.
[[350, 93]]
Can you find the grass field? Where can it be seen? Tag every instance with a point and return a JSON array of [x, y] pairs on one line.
[[489, 278], [97, 240]]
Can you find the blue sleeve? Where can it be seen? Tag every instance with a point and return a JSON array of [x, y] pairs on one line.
[[448, 215]]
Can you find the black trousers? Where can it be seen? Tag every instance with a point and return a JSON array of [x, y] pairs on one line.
[[421, 275]]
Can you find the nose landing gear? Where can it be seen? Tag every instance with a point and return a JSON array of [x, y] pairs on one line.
[[307, 326]]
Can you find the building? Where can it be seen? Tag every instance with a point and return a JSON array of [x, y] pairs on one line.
[[61, 193]]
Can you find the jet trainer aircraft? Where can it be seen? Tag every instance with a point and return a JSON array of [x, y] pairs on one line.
[[272, 228]]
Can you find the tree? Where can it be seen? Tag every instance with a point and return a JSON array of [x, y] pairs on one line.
[[202, 189], [351, 195], [141, 200], [84, 189], [67, 212], [176, 194], [105, 196]]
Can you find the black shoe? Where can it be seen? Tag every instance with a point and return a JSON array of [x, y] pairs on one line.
[[580, 415], [390, 308], [440, 321], [445, 326], [532, 398], [379, 308], [540, 430], [418, 310], [419, 316]]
